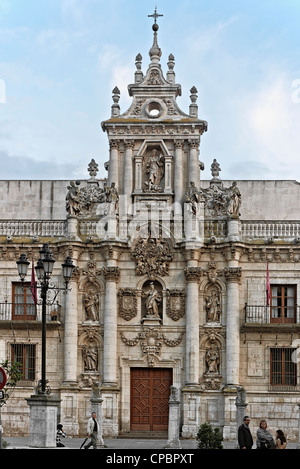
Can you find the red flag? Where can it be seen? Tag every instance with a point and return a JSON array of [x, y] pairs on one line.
[[33, 287], [268, 286]]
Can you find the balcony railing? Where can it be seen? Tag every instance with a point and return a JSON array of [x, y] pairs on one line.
[[258, 314], [29, 312]]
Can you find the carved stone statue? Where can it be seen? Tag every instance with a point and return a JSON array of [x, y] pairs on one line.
[[152, 301], [90, 358], [234, 200], [154, 171], [91, 305], [213, 306], [73, 199], [212, 359], [192, 198], [112, 197]]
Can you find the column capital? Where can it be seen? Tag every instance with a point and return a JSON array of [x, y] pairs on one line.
[[129, 144], [194, 142], [178, 143], [111, 273], [233, 274], [193, 274], [114, 144]]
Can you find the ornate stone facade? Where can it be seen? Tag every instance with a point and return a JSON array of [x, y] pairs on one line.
[[170, 276]]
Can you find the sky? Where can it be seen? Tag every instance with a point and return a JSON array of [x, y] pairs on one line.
[[61, 59]]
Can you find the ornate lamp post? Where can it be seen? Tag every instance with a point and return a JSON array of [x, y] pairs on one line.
[[44, 270]]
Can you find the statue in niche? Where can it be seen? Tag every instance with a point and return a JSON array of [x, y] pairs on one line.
[[192, 198], [91, 305], [212, 359], [213, 309], [154, 171], [153, 298], [90, 358], [234, 200], [73, 199]]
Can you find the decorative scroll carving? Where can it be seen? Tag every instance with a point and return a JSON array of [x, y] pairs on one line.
[[152, 257], [151, 341], [127, 304], [175, 304]]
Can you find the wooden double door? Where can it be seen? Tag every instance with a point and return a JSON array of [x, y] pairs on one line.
[[149, 398]]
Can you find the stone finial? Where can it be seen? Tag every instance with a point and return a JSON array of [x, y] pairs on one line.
[[193, 105], [93, 168], [138, 74], [115, 109], [170, 72]]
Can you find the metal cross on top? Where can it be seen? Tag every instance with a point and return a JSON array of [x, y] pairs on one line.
[[155, 15]]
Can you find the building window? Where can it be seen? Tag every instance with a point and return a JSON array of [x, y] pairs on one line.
[[24, 355], [23, 307], [283, 303], [283, 368]]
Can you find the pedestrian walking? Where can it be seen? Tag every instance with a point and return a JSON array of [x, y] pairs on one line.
[[245, 439], [280, 440], [264, 437], [92, 431], [60, 434]]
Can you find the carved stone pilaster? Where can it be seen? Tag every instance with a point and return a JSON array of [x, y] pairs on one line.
[[192, 274]]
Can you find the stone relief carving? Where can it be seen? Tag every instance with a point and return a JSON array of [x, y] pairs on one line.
[[127, 304], [151, 341], [152, 257], [154, 171], [175, 304]]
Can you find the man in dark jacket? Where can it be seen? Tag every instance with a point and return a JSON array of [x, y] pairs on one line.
[[244, 435]]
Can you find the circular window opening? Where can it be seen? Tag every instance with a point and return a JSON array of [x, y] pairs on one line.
[[154, 109]]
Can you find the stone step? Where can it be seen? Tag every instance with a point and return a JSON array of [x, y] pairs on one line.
[[144, 435]]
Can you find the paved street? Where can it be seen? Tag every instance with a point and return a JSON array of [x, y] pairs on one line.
[[122, 444]]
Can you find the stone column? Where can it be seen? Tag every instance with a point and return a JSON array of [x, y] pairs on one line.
[[192, 276], [96, 404], [194, 164], [174, 419], [178, 178], [128, 176], [114, 163], [233, 276], [111, 274], [71, 334]]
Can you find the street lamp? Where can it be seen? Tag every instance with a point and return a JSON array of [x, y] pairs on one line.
[[44, 269]]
